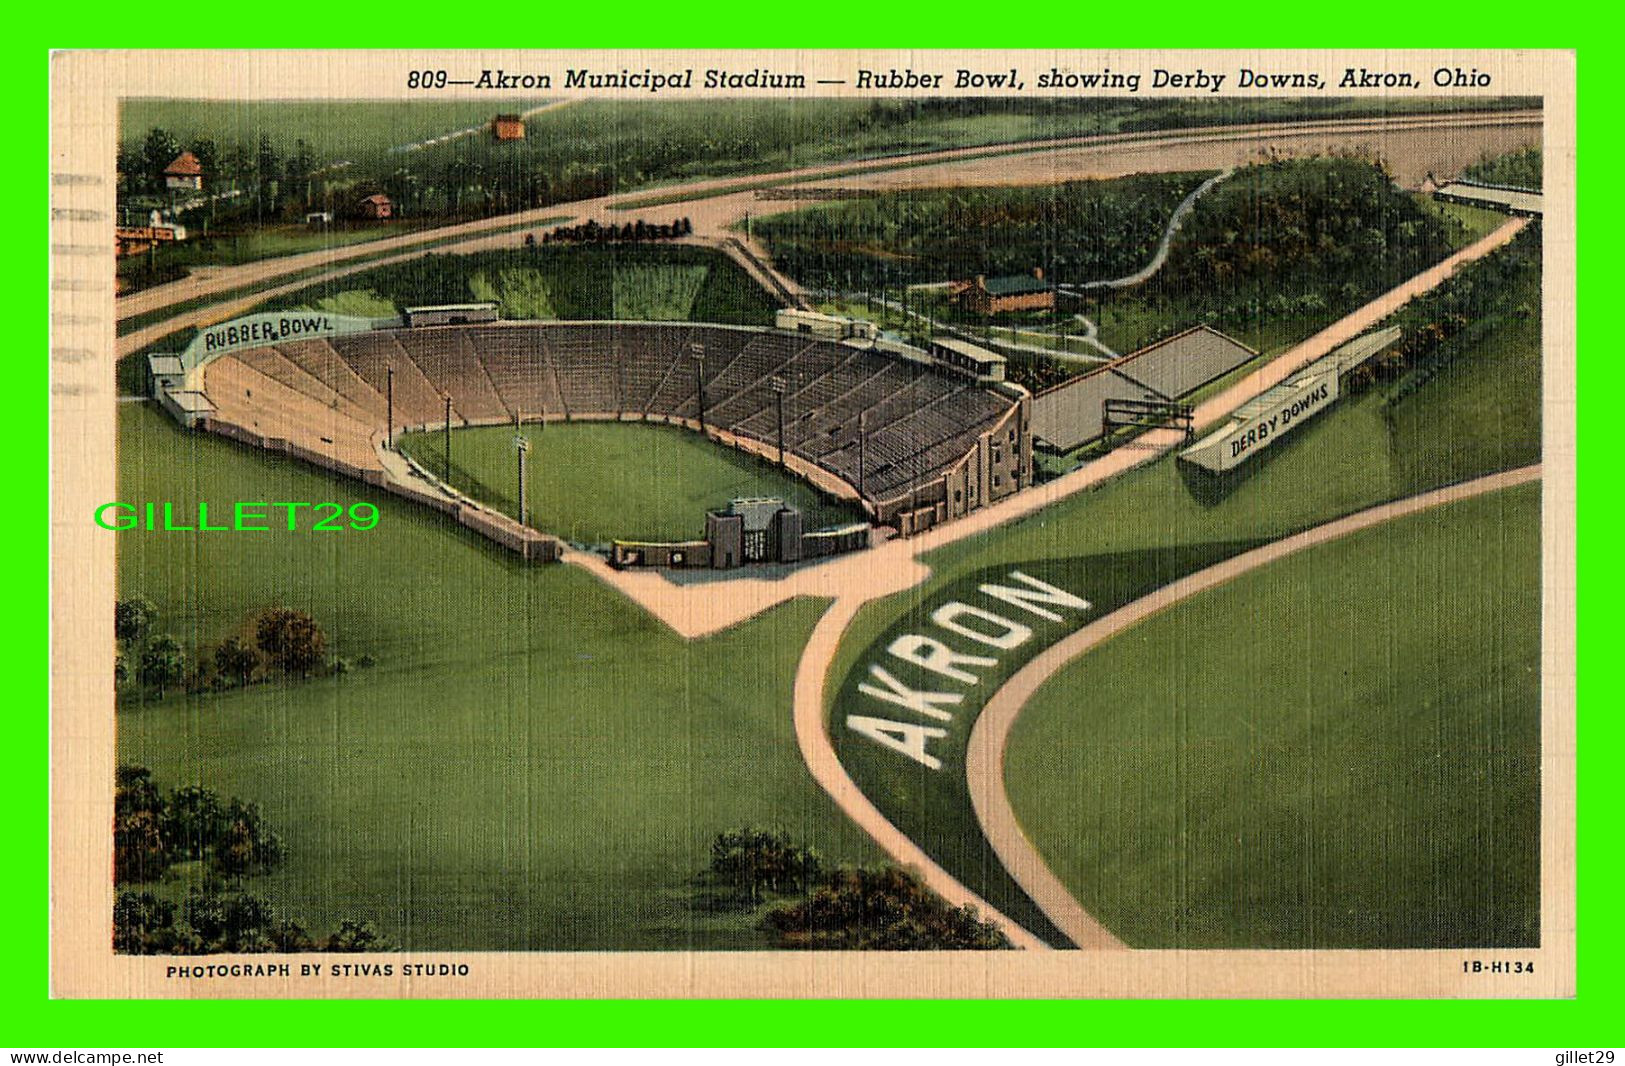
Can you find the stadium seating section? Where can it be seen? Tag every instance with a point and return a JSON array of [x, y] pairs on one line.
[[915, 421]]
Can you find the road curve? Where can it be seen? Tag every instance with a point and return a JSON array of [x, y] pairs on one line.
[[984, 758], [819, 755]]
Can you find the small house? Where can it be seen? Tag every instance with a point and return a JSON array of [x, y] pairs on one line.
[[1012, 292], [185, 172], [377, 206], [508, 128]]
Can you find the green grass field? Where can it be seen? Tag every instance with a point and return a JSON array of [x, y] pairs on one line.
[[334, 130], [1341, 750], [1479, 411], [532, 763], [593, 482], [654, 282]]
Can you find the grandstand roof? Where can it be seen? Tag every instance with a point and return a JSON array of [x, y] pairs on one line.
[[165, 364]]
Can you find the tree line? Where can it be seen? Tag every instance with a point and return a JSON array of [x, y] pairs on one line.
[[1474, 302], [590, 232], [816, 906], [282, 638], [1523, 169], [228, 840], [1077, 231]]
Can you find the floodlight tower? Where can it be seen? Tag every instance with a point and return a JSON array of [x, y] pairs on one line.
[[778, 384], [697, 352], [521, 446]]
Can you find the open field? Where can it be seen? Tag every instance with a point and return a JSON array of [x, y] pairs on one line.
[[1340, 750], [1367, 449], [506, 776], [333, 130], [670, 283], [593, 482]]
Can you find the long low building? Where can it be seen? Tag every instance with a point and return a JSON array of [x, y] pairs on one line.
[[1508, 198], [917, 443], [1261, 421], [1072, 413]]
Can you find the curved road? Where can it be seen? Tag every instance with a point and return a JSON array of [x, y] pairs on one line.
[[1176, 220], [984, 758]]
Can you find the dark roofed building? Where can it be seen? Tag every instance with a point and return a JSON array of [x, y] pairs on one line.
[[377, 206], [1012, 292]]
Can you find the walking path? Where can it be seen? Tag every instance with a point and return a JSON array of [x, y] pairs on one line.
[[1163, 246], [984, 757]]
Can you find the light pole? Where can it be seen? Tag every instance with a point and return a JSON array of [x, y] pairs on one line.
[[389, 401], [778, 394], [862, 448], [697, 351], [521, 446], [448, 440]]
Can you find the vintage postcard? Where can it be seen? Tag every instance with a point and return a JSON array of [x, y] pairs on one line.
[[788, 524]]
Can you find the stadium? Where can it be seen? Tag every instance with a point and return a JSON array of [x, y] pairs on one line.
[[882, 475], [911, 440]]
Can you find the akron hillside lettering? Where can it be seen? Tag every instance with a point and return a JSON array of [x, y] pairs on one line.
[[979, 634]]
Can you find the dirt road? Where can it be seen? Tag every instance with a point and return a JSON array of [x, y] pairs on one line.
[[982, 165], [984, 758]]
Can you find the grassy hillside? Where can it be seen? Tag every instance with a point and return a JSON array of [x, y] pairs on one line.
[[532, 763], [1341, 750], [603, 282]]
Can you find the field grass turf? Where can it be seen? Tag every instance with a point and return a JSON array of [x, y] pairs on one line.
[[1477, 412], [1344, 752], [593, 482], [653, 282], [533, 763]]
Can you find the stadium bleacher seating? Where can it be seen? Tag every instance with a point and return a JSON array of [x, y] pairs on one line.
[[918, 421]]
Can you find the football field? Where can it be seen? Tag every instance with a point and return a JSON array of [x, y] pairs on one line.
[[593, 482]]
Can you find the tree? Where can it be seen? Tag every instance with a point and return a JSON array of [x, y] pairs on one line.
[[143, 924], [193, 821], [132, 618], [885, 908], [244, 844], [291, 639], [157, 152], [751, 860], [236, 922], [354, 935], [162, 662], [234, 658], [121, 670]]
